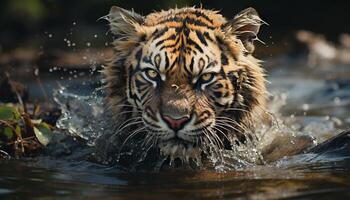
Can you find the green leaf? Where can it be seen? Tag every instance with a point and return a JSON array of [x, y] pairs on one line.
[[6, 113], [9, 113], [43, 133], [8, 132]]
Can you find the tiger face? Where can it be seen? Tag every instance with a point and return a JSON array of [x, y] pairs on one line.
[[185, 78]]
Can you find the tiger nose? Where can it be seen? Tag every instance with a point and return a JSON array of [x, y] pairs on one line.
[[176, 124]]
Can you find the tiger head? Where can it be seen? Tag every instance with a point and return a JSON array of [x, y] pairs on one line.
[[184, 78]]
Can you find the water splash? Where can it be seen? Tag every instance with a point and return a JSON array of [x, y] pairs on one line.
[[83, 116]]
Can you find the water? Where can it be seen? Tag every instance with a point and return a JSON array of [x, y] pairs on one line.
[[80, 180], [306, 102]]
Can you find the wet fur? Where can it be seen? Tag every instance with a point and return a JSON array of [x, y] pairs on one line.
[[231, 43]]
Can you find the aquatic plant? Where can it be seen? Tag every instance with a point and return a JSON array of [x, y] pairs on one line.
[[21, 132]]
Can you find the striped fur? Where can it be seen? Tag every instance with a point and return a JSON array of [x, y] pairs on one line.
[[185, 62]]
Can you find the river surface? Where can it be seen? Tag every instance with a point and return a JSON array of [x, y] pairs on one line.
[[311, 101]]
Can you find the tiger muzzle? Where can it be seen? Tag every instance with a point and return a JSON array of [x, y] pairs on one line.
[[176, 107]]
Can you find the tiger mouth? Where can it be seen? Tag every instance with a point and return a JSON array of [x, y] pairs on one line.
[[179, 148]]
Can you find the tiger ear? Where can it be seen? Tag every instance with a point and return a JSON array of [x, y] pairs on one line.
[[245, 25], [123, 22]]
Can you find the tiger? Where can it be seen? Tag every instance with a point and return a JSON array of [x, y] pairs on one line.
[[184, 80]]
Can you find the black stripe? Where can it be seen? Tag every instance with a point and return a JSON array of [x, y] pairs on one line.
[[201, 38], [158, 33], [206, 35], [148, 60], [200, 14], [139, 83], [222, 72], [143, 38], [218, 104], [224, 59], [144, 94], [172, 37], [195, 12], [173, 64], [171, 45], [234, 80], [185, 31], [187, 20], [186, 69], [159, 43], [129, 82], [166, 60], [217, 94], [191, 42], [150, 114], [191, 64], [220, 41], [203, 119], [138, 54]]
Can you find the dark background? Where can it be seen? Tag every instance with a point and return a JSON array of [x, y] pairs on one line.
[[47, 23]]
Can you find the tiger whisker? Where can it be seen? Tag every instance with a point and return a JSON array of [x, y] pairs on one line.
[[227, 119], [222, 133], [220, 122], [129, 124], [127, 121], [216, 138], [217, 150], [137, 131]]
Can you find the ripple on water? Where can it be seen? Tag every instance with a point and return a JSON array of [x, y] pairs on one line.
[[4, 191]]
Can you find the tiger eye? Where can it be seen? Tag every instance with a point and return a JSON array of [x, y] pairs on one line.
[[151, 73], [206, 77]]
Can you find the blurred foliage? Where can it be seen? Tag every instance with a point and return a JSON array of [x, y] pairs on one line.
[[34, 9]]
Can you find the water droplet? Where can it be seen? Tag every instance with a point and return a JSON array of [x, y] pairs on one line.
[[305, 107], [36, 72], [337, 101]]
